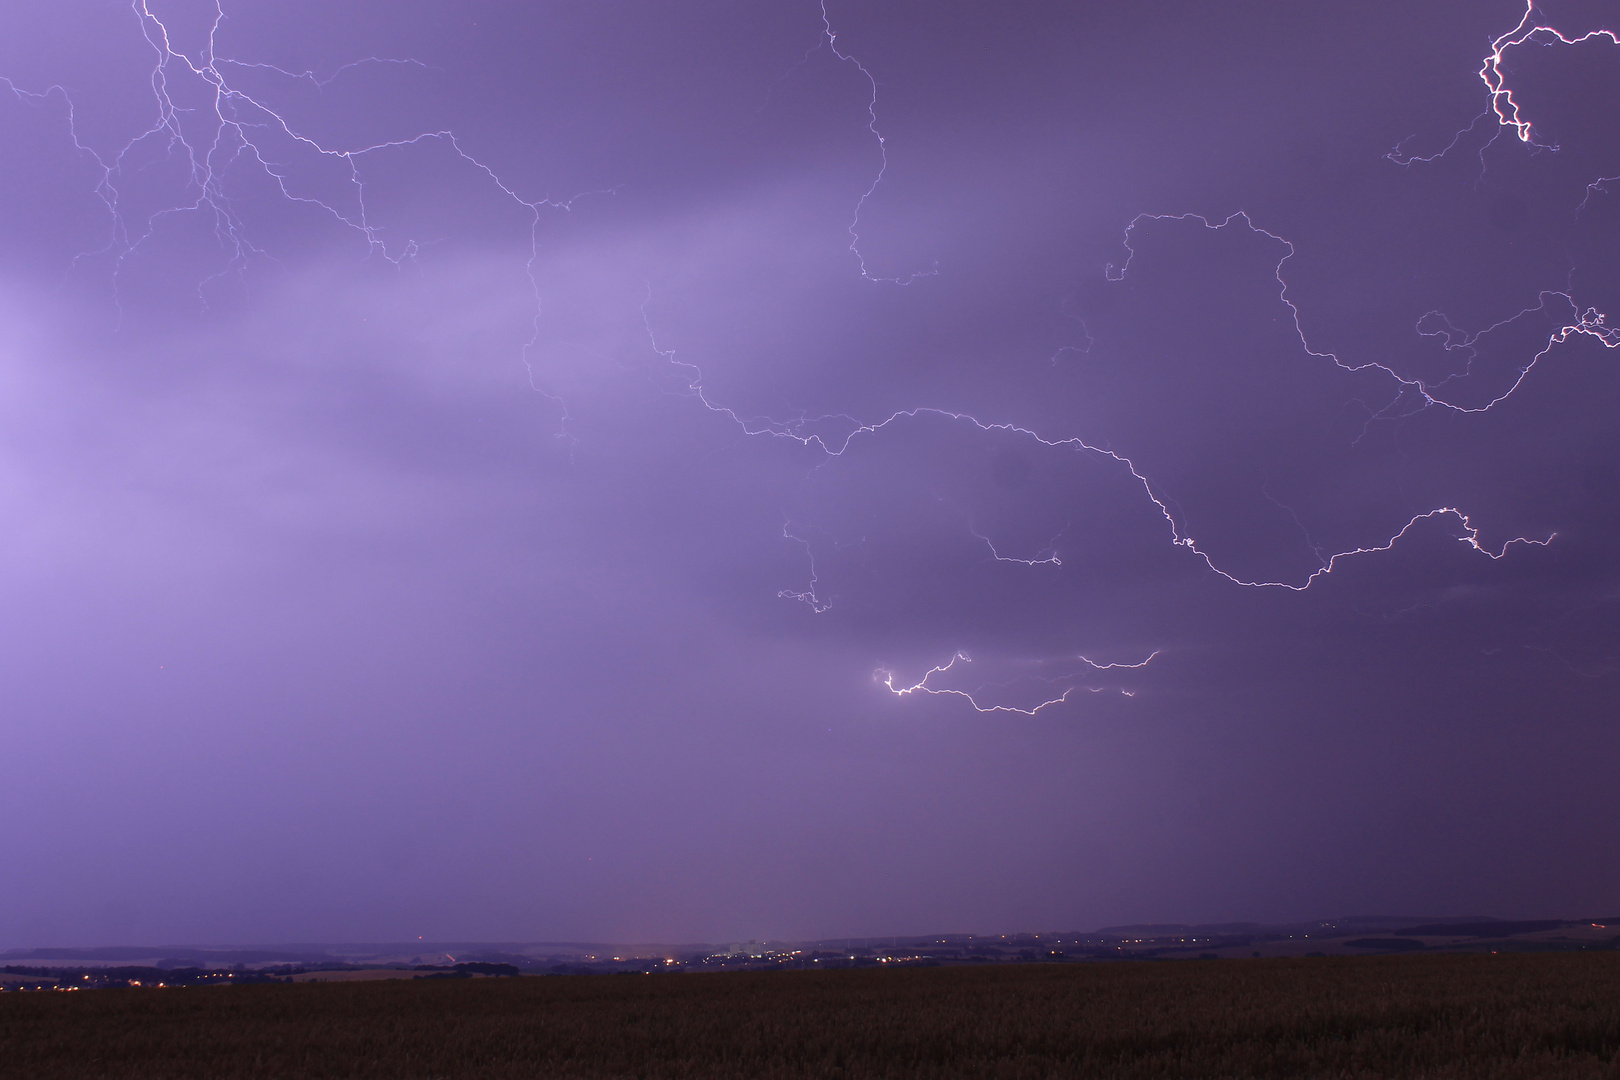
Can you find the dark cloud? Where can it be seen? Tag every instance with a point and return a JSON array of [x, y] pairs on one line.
[[473, 490]]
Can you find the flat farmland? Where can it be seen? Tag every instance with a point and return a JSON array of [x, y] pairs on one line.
[[1509, 1016]]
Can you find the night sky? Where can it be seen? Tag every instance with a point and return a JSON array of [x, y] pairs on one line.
[[618, 470]]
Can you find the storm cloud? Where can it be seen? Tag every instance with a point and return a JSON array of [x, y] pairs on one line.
[[490, 472]]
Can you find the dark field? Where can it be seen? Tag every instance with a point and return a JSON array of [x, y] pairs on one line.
[[1531, 1016]]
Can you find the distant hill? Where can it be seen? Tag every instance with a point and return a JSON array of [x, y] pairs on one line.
[[1344, 936], [1493, 928]]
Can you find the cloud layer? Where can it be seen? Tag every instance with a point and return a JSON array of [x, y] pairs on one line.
[[478, 473]]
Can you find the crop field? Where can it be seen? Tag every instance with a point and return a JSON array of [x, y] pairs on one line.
[[1532, 1016]]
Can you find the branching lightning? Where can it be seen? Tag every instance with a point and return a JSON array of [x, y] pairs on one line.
[[1502, 102], [234, 131], [830, 39], [1047, 556], [1502, 105], [807, 595], [833, 434], [804, 431], [1587, 323], [240, 129], [887, 677], [1400, 158]]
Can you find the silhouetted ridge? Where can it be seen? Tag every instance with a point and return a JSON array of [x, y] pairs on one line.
[[1494, 928], [1387, 944]]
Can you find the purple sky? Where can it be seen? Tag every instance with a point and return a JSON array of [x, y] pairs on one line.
[[488, 487]]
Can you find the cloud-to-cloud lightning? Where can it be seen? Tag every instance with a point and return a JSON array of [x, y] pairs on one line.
[[830, 40], [973, 695], [834, 434], [1574, 322], [1530, 27], [240, 127]]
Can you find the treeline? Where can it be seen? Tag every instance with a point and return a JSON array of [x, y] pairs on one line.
[[467, 970]]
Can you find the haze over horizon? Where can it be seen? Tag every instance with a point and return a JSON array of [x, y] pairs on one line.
[[630, 472], [1352, 935]]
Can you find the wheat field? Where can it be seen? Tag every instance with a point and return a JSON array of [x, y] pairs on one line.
[[1534, 1016]]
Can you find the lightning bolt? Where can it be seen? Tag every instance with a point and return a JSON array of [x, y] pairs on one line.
[[808, 595], [236, 129], [833, 434], [1586, 323], [887, 677], [1398, 157], [803, 430], [241, 129], [1047, 556], [829, 38], [1502, 103]]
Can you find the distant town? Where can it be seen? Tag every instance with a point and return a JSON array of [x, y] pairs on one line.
[[66, 969]]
